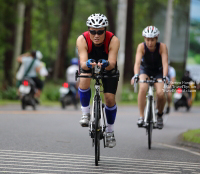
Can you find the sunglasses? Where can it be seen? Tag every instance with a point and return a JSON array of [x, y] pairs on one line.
[[94, 32]]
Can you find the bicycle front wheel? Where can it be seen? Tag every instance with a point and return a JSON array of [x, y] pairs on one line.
[[97, 132], [150, 125]]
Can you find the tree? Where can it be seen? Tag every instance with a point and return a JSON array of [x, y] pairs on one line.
[[121, 30], [110, 15], [18, 36], [168, 24], [27, 27], [67, 10], [128, 70], [10, 25]]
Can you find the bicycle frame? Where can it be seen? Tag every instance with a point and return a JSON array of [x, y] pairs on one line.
[[150, 100], [102, 118]]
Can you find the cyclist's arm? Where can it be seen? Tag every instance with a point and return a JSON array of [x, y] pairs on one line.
[[113, 52], [164, 55], [138, 58], [19, 58], [82, 51]]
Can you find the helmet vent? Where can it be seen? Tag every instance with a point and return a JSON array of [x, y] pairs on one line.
[[101, 21], [93, 20]]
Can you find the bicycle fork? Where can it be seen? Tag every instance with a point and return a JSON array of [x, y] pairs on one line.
[[101, 116], [150, 101]]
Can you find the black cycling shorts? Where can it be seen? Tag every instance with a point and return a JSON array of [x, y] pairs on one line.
[[109, 84], [155, 73], [38, 83]]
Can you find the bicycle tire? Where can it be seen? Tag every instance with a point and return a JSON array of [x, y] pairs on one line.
[[97, 132], [150, 125]]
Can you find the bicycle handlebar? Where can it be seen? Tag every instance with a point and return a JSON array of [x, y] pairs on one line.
[[152, 81], [100, 75]]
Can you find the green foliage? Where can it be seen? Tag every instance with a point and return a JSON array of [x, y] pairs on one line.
[[50, 92], [128, 94], [10, 94], [197, 58], [45, 22], [194, 45]]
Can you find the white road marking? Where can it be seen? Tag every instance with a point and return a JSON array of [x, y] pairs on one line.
[[23, 161], [179, 148]]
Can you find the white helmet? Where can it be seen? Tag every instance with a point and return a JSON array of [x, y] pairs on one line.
[[39, 55], [97, 20], [150, 32]]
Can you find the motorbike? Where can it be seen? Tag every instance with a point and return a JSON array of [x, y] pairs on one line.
[[180, 99], [27, 90], [68, 95]]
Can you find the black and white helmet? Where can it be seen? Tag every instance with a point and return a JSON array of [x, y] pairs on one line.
[[150, 32], [97, 20]]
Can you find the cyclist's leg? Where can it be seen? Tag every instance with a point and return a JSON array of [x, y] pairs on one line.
[[143, 87], [111, 110], [110, 87], [85, 95], [169, 99], [161, 99]]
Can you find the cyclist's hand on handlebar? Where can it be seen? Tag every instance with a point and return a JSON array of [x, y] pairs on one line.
[[103, 63], [135, 79], [165, 79], [91, 63]]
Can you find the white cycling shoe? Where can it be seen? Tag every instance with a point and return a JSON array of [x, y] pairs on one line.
[[110, 139], [84, 122]]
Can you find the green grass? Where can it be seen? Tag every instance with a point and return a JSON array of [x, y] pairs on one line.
[[192, 136]]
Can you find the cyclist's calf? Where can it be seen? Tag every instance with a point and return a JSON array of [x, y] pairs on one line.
[[109, 99]]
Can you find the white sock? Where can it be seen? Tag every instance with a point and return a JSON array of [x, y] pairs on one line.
[[85, 110], [110, 128]]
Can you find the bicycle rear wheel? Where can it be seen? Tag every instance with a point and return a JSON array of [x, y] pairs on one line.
[[97, 132]]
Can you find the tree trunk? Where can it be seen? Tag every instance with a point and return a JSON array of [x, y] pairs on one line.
[[168, 24], [9, 22], [27, 27], [109, 13], [187, 35], [67, 11], [18, 36], [46, 13], [121, 30], [128, 70]]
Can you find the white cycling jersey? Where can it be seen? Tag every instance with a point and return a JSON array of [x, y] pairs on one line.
[[71, 72], [171, 72]]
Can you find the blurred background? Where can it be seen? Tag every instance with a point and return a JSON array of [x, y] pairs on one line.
[[52, 26]]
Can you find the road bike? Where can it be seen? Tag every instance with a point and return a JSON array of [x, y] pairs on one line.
[[150, 120], [97, 124]]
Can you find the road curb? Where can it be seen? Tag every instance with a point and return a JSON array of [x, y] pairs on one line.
[[181, 142]]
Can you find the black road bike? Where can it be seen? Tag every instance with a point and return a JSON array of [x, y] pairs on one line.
[[97, 124], [150, 119]]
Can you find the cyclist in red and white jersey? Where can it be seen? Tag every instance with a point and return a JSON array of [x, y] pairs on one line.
[[98, 43]]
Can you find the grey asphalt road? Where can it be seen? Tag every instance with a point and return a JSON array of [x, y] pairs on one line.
[[50, 140]]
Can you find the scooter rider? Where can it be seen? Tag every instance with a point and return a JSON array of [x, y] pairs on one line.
[[27, 59], [70, 75], [172, 78]]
